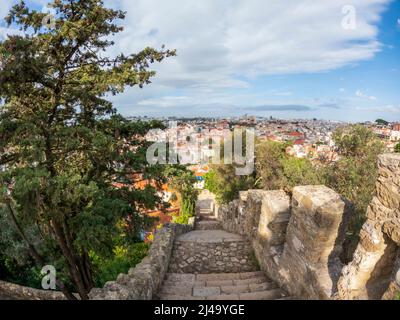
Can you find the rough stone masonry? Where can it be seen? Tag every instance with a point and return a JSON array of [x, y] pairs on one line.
[[374, 271], [298, 240]]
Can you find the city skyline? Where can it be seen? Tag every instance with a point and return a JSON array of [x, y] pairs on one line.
[[292, 60]]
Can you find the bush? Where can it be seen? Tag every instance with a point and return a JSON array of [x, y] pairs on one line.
[[225, 184], [182, 218], [355, 174], [124, 258]]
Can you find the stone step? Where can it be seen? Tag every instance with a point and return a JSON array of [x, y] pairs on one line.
[[274, 294], [192, 278], [211, 251], [206, 218], [206, 214], [223, 283], [208, 225], [221, 287]]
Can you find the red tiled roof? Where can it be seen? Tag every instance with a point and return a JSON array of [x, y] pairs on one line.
[[299, 142]]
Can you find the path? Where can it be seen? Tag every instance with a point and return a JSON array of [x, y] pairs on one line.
[[212, 264]]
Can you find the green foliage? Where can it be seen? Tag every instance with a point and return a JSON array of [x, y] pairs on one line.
[[188, 210], [274, 170], [222, 179], [62, 143], [225, 184], [397, 148], [382, 122], [183, 180], [182, 218], [188, 207], [298, 172], [358, 142], [277, 170], [124, 258], [269, 158], [355, 174]]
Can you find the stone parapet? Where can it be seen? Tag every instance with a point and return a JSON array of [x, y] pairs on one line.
[[297, 242], [374, 271], [17, 292], [143, 281], [310, 264]]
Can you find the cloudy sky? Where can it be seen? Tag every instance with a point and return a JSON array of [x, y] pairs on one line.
[[329, 59]]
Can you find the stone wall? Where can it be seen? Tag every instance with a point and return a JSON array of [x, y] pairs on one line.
[[140, 283], [17, 292], [218, 252], [298, 240], [376, 262], [310, 266], [143, 281]]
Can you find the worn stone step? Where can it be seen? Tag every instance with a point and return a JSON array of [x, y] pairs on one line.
[[202, 278], [273, 294], [206, 213], [214, 294], [223, 297], [208, 225], [181, 277], [227, 286], [250, 281], [211, 251], [249, 275], [176, 290], [207, 218], [178, 297], [209, 236]]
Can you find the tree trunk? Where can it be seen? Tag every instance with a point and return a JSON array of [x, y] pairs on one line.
[[73, 265], [35, 254], [81, 260]]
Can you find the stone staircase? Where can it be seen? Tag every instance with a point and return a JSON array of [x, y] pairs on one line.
[[219, 286], [212, 264]]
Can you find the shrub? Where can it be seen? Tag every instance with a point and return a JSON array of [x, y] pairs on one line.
[[124, 258], [182, 218]]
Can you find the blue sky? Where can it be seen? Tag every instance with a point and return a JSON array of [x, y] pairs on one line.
[[289, 59]]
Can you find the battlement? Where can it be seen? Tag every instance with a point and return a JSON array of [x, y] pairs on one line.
[[298, 239]]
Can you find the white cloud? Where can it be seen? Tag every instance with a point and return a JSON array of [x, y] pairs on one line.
[[167, 101], [342, 90], [383, 109], [362, 95], [253, 37], [227, 44]]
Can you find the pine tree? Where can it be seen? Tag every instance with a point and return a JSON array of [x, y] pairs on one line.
[[63, 147]]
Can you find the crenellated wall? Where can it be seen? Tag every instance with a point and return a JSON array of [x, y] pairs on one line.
[[298, 239]]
